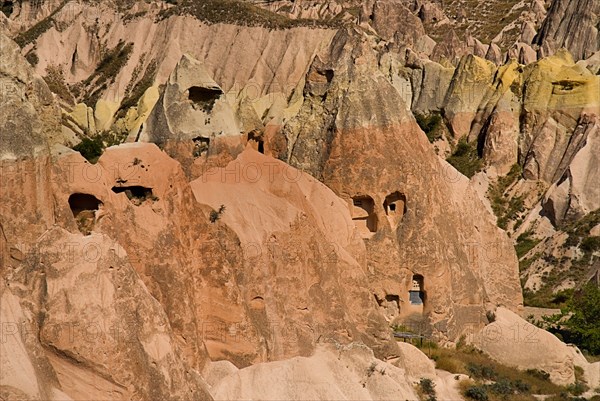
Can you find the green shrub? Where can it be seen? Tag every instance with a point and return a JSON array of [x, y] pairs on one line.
[[431, 125], [90, 148], [481, 371], [524, 244], [590, 244], [6, 8], [32, 58], [521, 386], [427, 386], [502, 387], [577, 388], [465, 158], [478, 393], [584, 324]]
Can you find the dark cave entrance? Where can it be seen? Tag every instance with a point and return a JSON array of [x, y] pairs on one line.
[[84, 208], [363, 214], [204, 98], [256, 138], [136, 194], [201, 146]]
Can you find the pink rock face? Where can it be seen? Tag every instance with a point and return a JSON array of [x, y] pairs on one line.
[[299, 245], [214, 291], [148, 207], [420, 219]]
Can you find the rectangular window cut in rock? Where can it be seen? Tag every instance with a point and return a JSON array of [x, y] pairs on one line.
[[363, 214], [416, 295]]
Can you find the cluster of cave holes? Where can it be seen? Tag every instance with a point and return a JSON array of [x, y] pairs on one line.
[[203, 98], [390, 304], [84, 208], [136, 194], [365, 218]]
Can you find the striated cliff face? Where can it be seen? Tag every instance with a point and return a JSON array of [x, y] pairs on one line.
[[267, 197], [572, 25]]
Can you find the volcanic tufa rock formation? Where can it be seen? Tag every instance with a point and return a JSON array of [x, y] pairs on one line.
[[572, 25], [255, 199], [192, 106], [369, 150]]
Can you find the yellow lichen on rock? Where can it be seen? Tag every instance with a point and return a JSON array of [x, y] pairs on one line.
[[104, 114], [557, 83], [83, 116], [144, 107]]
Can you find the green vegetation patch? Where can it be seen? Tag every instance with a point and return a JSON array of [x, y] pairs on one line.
[[580, 229], [579, 320], [505, 208], [32, 58], [56, 83], [431, 124], [465, 158], [491, 380], [38, 29], [91, 148], [239, 13], [426, 390], [525, 243], [138, 90]]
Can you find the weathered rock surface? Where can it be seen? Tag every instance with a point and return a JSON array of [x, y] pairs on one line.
[[192, 106], [394, 21], [103, 334], [573, 25], [29, 117], [576, 194], [468, 86], [515, 342], [256, 262], [300, 245], [368, 149], [340, 373]]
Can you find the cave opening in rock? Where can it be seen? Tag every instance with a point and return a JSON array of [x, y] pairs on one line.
[[363, 214], [7, 8], [204, 98], [394, 206], [256, 138], [137, 194], [201, 146], [416, 294], [84, 208]]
